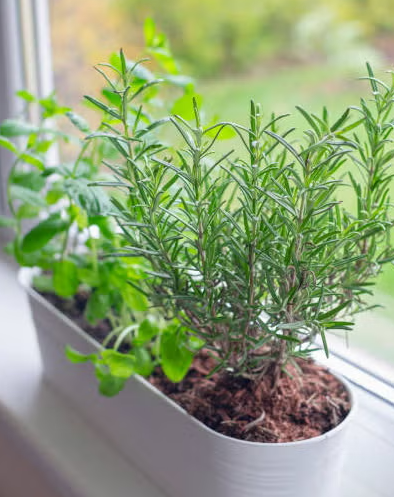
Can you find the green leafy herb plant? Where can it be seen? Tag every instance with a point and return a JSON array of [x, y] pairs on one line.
[[60, 222], [59, 212]]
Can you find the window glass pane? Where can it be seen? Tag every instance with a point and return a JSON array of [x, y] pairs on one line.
[[278, 52]]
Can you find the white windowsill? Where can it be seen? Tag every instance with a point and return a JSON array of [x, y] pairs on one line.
[[47, 447]]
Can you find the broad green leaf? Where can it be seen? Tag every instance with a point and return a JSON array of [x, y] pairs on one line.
[[77, 357], [54, 195], [149, 31], [222, 132], [26, 211], [89, 276], [50, 106], [195, 343], [43, 232], [175, 357], [112, 275], [7, 222], [43, 146], [65, 278], [9, 249], [112, 97], [78, 216], [119, 365], [146, 331], [183, 107], [84, 168], [14, 127], [44, 283], [25, 95], [165, 59], [92, 199], [33, 160], [104, 224], [97, 307], [23, 258], [142, 361], [6, 143], [109, 385], [138, 361], [32, 180], [135, 300], [140, 72]]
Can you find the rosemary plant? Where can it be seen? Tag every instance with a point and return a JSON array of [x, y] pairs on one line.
[[253, 255]]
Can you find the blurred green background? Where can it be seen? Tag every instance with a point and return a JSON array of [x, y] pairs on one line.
[[281, 53], [219, 40]]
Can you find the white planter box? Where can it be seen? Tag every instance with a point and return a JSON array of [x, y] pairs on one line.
[[180, 454]]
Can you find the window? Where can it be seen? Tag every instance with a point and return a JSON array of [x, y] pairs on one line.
[[76, 451]]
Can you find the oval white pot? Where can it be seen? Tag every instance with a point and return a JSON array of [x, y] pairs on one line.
[[180, 454]]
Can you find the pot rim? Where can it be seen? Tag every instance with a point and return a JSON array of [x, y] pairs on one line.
[[25, 275]]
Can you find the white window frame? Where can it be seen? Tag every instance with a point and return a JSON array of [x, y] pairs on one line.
[[24, 47]]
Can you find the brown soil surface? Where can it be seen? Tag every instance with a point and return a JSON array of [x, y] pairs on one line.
[[303, 406]]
